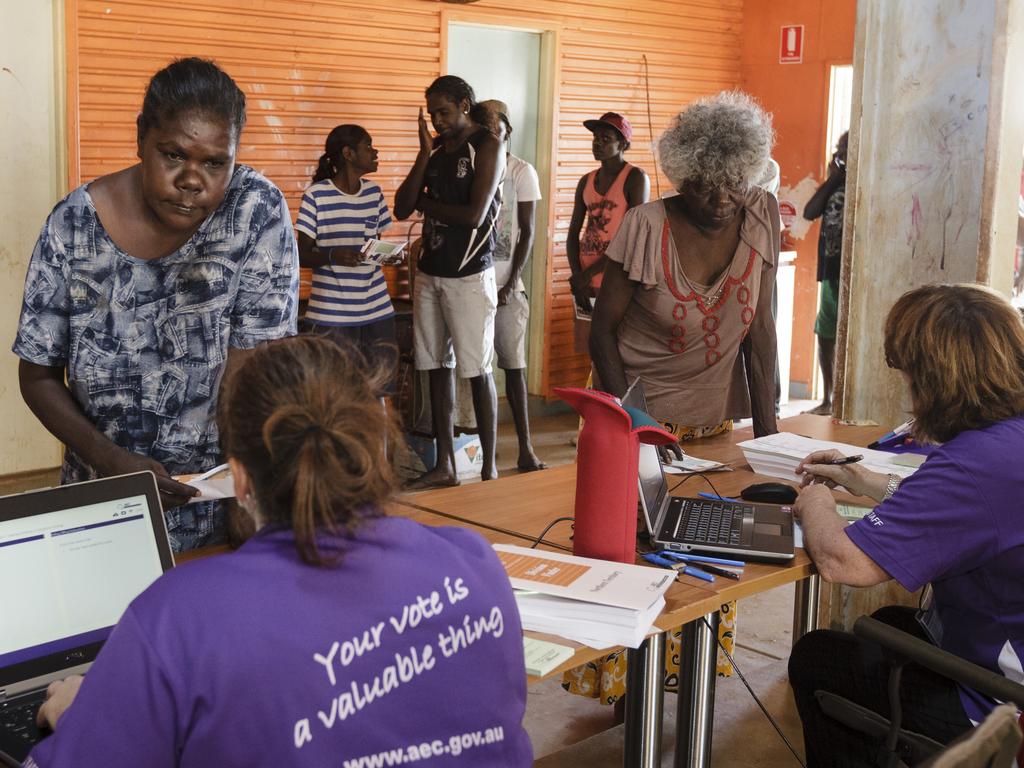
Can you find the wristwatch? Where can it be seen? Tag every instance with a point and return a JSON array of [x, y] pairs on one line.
[[892, 486]]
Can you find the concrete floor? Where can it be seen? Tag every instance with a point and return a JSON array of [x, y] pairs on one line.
[[569, 730]]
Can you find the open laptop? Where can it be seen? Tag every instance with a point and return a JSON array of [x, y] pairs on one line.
[[71, 560], [742, 529]]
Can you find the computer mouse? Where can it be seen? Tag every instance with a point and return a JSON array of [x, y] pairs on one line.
[[769, 493]]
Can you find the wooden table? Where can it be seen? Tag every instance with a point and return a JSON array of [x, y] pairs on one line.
[[521, 506]]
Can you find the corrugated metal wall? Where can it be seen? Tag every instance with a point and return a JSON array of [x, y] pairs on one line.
[[306, 66]]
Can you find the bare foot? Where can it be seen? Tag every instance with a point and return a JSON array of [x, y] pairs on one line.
[[825, 409], [528, 462], [435, 478]]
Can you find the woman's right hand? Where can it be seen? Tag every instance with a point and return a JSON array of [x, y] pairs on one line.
[[853, 477], [172, 493], [426, 137]]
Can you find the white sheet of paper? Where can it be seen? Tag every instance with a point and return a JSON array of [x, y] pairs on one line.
[[690, 464], [216, 483]]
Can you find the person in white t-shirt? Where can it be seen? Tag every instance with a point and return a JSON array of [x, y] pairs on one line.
[[520, 193]]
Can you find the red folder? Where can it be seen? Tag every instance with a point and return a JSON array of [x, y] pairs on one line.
[[607, 455]]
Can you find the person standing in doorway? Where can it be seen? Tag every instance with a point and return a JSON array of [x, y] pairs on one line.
[[340, 211], [454, 184], [520, 192], [602, 198], [828, 203]]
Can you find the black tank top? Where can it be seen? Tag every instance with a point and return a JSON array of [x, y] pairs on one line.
[[450, 251]]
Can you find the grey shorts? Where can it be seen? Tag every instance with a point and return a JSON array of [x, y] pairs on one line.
[[453, 323], [510, 325]]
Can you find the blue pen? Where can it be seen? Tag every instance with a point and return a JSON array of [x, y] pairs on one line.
[[698, 574], [667, 553], [659, 561], [714, 497]]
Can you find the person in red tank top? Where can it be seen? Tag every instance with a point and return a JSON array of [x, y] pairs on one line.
[[602, 198]]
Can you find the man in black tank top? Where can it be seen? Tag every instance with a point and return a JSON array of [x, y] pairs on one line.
[[455, 184]]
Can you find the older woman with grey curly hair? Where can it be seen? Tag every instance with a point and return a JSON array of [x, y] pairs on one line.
[[686, 301]]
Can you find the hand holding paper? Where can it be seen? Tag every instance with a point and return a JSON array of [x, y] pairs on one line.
[[216, 483]]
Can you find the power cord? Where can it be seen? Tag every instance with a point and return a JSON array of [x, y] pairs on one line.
[[551, 525], [706, 480], [753, 695]]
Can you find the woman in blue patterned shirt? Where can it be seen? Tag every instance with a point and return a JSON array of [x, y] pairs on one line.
[[146, 285]]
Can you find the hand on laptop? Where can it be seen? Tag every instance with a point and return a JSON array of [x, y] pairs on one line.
[[59, 696], [172, 493]]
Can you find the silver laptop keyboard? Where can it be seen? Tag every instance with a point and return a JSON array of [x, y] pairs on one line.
[[711, 522]]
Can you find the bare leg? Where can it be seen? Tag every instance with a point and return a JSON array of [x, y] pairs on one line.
[[515, 391], [485, 406], [442, 415], [826, 359]]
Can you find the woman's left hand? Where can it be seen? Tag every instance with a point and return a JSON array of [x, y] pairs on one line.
[[59, 696], [813, 499]]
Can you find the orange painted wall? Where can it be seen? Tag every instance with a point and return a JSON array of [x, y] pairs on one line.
[[797, 95], [305, 66]]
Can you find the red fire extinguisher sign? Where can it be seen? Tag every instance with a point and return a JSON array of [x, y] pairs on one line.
[[791, 44]]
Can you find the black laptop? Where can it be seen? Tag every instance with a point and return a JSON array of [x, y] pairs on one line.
[[738, 528], [71, 560]]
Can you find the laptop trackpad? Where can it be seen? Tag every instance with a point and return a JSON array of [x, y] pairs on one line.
[[767, 529]]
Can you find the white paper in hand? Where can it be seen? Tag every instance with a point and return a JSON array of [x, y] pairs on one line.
[[213, 484]]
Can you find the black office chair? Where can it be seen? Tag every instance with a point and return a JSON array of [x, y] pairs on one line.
[[900, 649]]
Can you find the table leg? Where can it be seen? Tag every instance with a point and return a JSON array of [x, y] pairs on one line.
[[805, 606], [645, 683], [696, 707]]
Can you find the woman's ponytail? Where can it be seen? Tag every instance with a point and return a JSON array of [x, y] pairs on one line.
[[325, 169], [309, 428]]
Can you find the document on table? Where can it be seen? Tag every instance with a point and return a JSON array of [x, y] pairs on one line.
[[541, 656], [595, 602], [689, 465], [778, 455]]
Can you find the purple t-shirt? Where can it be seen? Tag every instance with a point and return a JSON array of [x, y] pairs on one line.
[[958, 522], [409, 650]]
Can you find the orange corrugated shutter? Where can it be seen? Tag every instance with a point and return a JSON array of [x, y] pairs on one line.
[[308, 65]]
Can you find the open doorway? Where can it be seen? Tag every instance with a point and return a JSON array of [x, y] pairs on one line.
[[515, 63], [840, 100]]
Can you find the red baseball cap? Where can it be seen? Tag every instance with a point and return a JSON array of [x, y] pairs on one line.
[[612, 120]]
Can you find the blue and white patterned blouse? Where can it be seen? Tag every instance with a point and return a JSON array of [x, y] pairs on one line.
[[144, 342]]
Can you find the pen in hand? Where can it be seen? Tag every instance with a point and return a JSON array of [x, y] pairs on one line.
[[843, 460]]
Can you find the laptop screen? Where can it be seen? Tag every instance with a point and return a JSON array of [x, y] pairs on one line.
[[71, 560], [652, 477]]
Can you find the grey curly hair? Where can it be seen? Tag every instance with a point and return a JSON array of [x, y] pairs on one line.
[[718, 141]]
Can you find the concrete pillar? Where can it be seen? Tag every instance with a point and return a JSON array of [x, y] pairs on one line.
[[934, 171]]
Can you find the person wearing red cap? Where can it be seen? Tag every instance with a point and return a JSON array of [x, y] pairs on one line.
[[602, 198]]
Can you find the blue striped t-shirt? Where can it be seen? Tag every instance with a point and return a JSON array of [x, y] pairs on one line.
[[334, 219]]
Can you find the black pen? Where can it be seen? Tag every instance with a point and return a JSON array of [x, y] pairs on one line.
[[717, 571], [844, 460]]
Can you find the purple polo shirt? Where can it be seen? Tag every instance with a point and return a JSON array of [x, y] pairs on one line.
[[409, 650], [958, 522]]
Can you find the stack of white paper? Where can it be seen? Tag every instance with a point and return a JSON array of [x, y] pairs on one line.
[[594, 602], [778, 455]]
